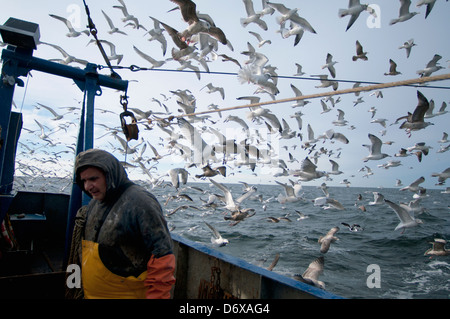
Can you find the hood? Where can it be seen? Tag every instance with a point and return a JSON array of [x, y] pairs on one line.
[[115, 173]]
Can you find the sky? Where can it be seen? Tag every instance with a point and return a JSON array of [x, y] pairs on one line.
[[380, 39]]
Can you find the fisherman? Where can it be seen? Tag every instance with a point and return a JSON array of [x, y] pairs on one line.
[[126, 246]]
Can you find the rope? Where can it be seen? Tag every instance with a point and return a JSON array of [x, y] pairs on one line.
[[135, 68], [93, 31], [324, 94]]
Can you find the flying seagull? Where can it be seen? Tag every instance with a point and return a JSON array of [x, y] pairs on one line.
[[252, 16], [113, 28], [404, 13], [330, 65], [442, 176], [428, 3], [290, 14], [325, 241], [414, 186], [360, 54], [407, 45], [392, 68], [354, 10], [374, 149], [312, 273], [438, 248], [196, 25], [230, 203], [415, 121], [55, 114], [72, 32], [406, 220], [217, 238], [155, 63], [431, 66]]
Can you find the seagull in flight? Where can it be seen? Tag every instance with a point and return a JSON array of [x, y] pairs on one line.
[[307, 171], [153, 62], [408, 46], [299, 70], [406, 220], [212, 89], [341, 121], [438, 248], [292, 195], [294, 29], [157, 34], [127, 16], [330, 65], [404, 14], [312, 273], [210, 172], [360, 54], [72, 32], [112, 48], [252, 16], [67, 57], [392, 68], [175, 174], [233, 205], [353, 227], [428, 3], [298, 93], [196, 25], [431, 66], [414, 186], [261, 41], [113, 29], [217, 238], [415, 121], [354, 10], [374, 149], [292, 15], [442, 176], [325, 82], [378, 199], [325, 241], [55, 114]]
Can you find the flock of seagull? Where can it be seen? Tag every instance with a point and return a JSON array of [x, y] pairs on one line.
[[197, 46]]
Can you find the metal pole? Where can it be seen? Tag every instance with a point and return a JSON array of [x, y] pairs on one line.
[[9, 128]]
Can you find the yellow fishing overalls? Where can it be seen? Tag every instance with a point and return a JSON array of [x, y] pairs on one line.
[[101, 283]]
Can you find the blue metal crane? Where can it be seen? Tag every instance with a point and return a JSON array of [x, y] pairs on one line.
[[18, 61]]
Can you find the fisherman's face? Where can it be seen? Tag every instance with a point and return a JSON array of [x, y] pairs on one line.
[[94, 181]]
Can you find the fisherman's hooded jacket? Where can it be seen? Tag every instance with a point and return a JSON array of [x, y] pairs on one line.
[[126, 247]]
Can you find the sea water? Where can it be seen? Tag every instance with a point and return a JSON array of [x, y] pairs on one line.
[[376, 262]]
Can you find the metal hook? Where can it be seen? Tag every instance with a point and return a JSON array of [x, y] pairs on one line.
[[131, 130]]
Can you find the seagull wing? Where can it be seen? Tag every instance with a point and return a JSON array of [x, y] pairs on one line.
[[315, 269], [228, 197], [401, 212], [421, 108], [308, 166], [417, 182], [288, 189], [67, 22], [375, 147], [214, 231], [244, 196]]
